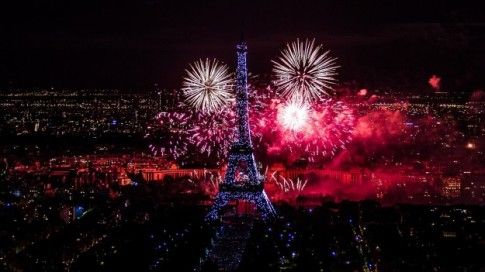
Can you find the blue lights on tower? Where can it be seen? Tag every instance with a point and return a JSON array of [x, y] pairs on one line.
[[251, 188]]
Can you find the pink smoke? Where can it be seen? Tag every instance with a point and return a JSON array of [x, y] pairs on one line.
[[435, 82], [362, 92], [379, 126]]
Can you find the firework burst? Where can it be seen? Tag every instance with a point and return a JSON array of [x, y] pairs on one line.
[[262, 113], [213, 132], [327, 129], [169, 135], [207, 86], [294, 115], [305, 70]]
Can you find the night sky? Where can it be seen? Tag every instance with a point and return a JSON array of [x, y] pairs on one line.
[[134, 44]]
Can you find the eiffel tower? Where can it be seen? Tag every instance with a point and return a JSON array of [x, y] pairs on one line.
[[248, 184]]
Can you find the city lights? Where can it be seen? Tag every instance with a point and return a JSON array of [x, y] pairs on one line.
[[176, 136]]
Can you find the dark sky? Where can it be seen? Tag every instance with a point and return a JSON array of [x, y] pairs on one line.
[[134, 44]]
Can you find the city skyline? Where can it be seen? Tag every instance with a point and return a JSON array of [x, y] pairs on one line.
[[217, 135]]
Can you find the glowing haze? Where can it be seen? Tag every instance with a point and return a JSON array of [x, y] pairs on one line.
[[435, 82]]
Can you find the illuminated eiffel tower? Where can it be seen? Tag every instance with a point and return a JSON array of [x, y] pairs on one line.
[[243, 180]]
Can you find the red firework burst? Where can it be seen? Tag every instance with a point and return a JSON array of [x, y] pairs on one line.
[[317, 132], [169, 134], [213, 132]]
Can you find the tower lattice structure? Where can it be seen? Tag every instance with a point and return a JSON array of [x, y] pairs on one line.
[[242, 180]]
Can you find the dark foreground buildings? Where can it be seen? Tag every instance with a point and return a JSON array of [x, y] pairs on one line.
[[160, 227]]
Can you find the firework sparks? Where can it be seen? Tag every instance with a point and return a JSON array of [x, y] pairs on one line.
[[208, 85], [213, 132], [288, 184], [305, 70], [169, 134], [262, 114]]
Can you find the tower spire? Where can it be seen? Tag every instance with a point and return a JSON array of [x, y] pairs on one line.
[[245, 182], [242, 40], [242, 95]]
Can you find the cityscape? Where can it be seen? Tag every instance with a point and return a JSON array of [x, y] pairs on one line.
[[157, 136]]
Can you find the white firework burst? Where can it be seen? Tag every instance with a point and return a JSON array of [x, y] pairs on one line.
[[208, 85], [294, 114], [305, 70]]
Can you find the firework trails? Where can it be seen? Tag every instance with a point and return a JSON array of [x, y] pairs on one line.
[[208, 85], [305, 70]]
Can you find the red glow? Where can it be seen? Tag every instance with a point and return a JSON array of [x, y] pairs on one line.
[[435, 82], [362, 92]]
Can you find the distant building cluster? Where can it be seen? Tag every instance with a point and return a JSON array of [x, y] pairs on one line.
[[75, 112], [440, 136]]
